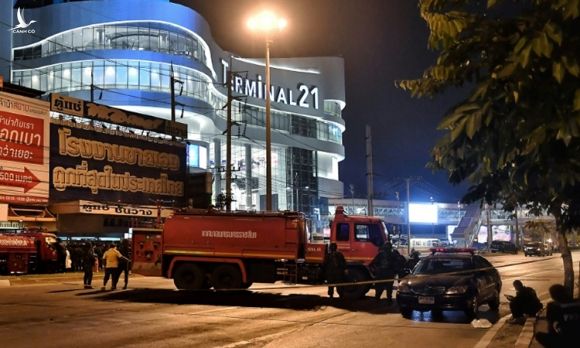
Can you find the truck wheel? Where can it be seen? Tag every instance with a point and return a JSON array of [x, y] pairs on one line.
[[189, 277], [353, 292], [246, 285], [226, 277]]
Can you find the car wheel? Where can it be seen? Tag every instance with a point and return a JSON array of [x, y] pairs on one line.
[[406, 312], [494, 302], [471, 312]]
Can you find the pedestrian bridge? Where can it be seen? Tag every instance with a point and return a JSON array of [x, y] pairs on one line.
[[468, 219]]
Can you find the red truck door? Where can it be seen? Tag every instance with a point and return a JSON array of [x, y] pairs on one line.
[[146, 259], [358, 240]]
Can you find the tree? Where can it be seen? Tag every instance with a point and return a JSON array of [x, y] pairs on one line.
[[516, 135]]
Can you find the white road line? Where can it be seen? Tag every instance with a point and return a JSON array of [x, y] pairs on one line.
[[490, 334], [527, 334], [255, 340], [213, 310]]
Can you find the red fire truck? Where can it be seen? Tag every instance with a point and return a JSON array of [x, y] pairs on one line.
[[28, 251], [203, 249]]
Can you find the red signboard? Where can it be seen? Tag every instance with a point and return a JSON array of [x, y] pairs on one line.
[[24, 149], [24, 137]]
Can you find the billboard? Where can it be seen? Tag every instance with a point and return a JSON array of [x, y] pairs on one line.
[[78, 107], [24, 155], [98, 164], [423, 213]]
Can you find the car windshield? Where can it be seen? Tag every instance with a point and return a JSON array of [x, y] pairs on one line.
[[441, 265]]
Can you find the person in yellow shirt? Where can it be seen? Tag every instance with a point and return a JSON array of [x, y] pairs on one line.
[[111, 260]]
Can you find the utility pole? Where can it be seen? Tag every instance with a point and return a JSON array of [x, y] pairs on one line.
[[92, 88], [370, 193], [229, 142], [489, 231], [408, 180], [172, 82]]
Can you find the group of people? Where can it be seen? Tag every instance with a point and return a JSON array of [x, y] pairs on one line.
[[562, 314], [115, 261], [387, 265]]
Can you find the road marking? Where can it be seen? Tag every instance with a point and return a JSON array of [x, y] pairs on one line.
[[527, 333], [4, 283], [490, 334], [213, 310], [255, 340]]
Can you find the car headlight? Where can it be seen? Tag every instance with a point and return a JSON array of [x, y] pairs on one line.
[[459, 289], [403, 288]]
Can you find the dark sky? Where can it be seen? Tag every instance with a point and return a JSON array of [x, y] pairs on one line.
[[381, 41]]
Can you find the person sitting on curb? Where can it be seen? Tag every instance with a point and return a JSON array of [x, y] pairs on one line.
[[526, 302], [563, 316]]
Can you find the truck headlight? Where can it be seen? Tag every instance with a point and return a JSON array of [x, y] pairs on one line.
[[459, 289]]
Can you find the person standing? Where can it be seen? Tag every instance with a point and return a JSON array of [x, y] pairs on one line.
[[88, 262], [125, 261], [67, 260], [111, 260], [334, 268], [385, 269], [526, 302]]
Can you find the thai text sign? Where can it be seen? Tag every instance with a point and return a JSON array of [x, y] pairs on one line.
[[24, 155], [113, 168], [90, 207], [78, 107]]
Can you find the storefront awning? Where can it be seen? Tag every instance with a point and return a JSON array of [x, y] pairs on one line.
[[30, 214]]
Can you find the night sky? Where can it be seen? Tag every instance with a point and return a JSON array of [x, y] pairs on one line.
[[381, 41]]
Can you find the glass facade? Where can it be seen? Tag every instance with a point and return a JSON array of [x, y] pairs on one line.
[[154, 76], [113, 74], [138, 36]]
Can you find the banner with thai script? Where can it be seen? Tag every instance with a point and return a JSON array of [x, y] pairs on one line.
[[78, 107], [24, 154], [112, 167], [97, 208]]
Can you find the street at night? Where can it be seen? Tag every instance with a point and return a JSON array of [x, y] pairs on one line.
[[55, 311]]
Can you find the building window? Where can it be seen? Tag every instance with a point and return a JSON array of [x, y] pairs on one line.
[[141, 36]]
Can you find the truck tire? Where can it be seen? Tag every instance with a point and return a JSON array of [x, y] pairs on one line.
[[353, 292], [226, 277], [189, 277]]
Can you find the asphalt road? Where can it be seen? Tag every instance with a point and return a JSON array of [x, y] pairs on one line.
[[54, 311]]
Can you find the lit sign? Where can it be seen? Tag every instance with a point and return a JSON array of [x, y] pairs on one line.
[[303, 96], [423, 213]]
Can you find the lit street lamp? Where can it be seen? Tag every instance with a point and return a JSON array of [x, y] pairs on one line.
[[267, 23]]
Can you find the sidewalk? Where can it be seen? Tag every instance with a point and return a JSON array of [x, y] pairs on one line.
[[30, 279]]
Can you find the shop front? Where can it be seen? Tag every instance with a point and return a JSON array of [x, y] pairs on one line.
[[108, 174]]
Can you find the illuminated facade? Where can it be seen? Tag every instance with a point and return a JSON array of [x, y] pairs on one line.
[[123, 54]]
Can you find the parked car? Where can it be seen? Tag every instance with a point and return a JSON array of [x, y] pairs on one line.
[[537, 249], [450, 279], [503, 247]]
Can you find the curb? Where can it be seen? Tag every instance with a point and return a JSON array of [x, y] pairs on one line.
[[526, 336]]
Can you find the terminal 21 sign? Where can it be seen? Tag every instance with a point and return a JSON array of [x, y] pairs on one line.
[[106, 166]]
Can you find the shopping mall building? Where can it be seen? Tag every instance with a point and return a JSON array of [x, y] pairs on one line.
[[126, 54]]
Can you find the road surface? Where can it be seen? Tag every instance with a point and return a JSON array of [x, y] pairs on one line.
[[54, 311]]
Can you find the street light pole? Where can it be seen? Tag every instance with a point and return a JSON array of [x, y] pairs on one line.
[[268, 132], [267, 23]]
